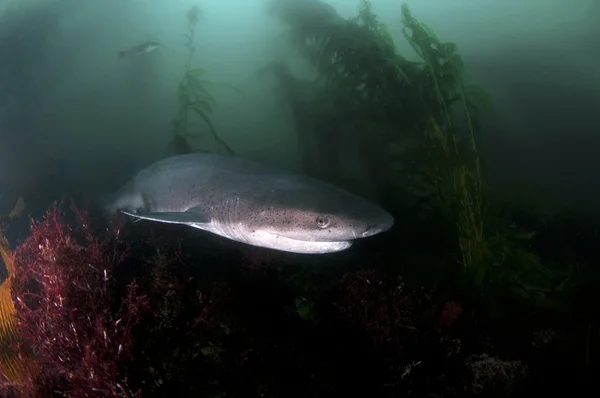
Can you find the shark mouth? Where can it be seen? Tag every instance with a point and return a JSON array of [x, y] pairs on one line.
[[283, 243]]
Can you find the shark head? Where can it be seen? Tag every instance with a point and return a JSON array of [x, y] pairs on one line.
[[310, 218]]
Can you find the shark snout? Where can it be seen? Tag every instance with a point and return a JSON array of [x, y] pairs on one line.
[[384, 223]]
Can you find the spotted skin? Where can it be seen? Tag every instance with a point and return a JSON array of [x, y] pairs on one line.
[[249, 202]]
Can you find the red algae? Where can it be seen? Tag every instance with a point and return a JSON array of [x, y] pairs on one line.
[[79, 329], [380, 310]]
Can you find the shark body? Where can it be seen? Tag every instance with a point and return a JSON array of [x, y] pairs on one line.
[[250, 202]]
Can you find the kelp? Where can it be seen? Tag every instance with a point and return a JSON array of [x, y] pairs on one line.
[[491, 251], [420, 121], [193, 97], [17, 365]]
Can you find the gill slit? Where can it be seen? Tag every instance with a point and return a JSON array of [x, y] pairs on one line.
[[231, 222]]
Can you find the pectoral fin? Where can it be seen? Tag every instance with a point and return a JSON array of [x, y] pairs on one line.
[[193, 216]]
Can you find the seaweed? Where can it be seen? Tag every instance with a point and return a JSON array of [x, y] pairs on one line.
[[491, 251], [422, 310], [418, 122], [193, 97]]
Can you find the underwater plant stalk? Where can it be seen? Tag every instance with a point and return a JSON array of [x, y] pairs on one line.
[[193, 95], [466, 177], [193, 17]]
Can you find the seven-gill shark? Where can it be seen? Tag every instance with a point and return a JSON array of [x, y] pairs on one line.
[[249, 202]]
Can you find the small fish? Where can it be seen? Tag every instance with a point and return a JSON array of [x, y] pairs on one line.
[[249, 202], [140, 49]]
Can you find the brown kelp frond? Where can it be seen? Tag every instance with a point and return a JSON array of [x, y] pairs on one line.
[[16, 363]]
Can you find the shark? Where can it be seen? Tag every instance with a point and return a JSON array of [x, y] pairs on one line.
[[250, 202]]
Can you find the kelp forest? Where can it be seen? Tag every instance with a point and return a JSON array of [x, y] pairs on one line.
[[467, 295]]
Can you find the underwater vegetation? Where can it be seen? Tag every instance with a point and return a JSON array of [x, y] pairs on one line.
[[193, 96], [466, 296], [417, 123], [112, 314], [63, 293]]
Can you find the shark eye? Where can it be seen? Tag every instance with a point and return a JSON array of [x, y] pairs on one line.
[[322, 222]]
